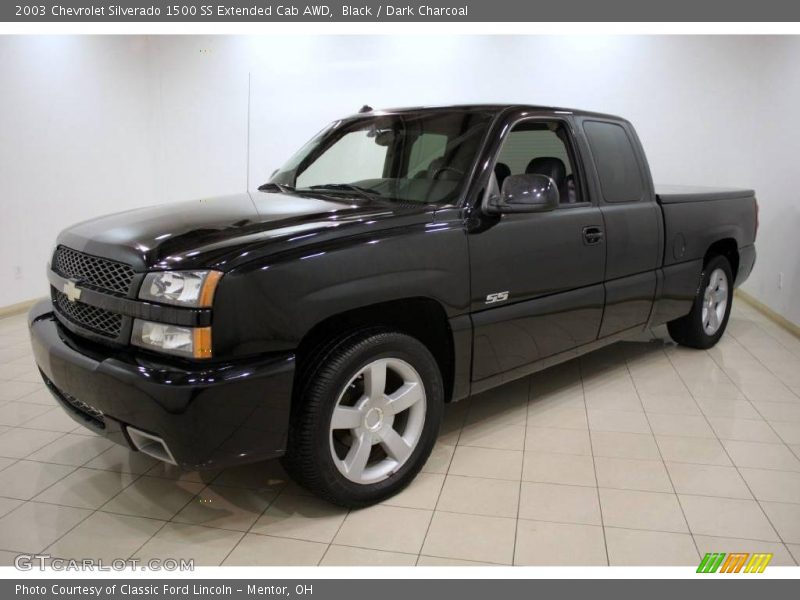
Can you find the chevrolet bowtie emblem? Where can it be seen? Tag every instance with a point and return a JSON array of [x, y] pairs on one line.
[[72, 291]]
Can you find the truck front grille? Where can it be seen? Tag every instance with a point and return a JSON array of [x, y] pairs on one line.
[[95, 319], [93, 271]]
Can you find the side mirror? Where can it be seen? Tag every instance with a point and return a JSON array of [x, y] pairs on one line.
[[524, 193]]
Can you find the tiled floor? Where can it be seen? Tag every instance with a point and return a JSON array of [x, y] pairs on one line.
[[640, 454]]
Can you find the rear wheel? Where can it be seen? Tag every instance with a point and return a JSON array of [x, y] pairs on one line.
[[705, 324], [367, 417]]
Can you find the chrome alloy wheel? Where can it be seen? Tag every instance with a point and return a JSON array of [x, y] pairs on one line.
[[715, 301], [377, 421]]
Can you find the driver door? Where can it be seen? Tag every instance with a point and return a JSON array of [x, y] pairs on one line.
[[536, 278]]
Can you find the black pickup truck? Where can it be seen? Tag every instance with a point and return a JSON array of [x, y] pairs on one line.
[[400, 260]]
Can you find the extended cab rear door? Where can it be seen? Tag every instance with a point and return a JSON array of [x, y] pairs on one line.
[[536, 278], [621, 184]]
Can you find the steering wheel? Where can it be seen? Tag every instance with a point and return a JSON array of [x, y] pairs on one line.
[[441, 170]]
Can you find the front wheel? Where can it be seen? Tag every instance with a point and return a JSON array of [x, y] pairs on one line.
[[705, 324], [367, 418]]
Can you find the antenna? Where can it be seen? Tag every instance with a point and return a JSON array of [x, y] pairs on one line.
[[365, 109]]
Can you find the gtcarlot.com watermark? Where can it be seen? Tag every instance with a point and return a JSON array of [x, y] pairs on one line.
[[30, 562]]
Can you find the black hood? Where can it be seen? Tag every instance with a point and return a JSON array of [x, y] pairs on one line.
[[215, 232]]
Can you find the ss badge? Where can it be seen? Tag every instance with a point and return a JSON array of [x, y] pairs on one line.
[[496, 297]]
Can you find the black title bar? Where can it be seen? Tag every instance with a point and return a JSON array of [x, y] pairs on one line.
[[142, 11]]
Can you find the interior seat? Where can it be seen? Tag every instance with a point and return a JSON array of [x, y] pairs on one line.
[[553, 168]]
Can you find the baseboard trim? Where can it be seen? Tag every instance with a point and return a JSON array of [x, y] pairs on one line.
[[15, 309], [769, 313]]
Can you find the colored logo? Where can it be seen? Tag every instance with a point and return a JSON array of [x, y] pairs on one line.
[[735, 562]]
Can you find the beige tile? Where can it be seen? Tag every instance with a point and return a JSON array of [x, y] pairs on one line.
[[153, 497], [506, 404], [267, 475], [422, 492], [692, 450], [773, 486], [632, 474], [20, 443], [781, 556], [13, 390], [359, 557], [485, 462], [541, 543], [263, 550], [168, 471], [53, 420], [631, 509], [204, 545], [14, 414], [682, 425], [478, 496], [24, 479], [41, 396], [667, 404], [788, 432], [708, 480], [301, 517], [550, 414], [779, 411], [559, 441], [225, 507], [105, 536], [630, 547], [762, 456], [624, 445], [385, 528], [747, 430], [71, 449], [8, 504], [795, 550], [726, 517], [471, 537], [438, 561], [122, 460], [86, 488], [558, 468], [618, 420], [785, 518], [611, 393], [493, 435], [736, 409], [559, 503], [34, 526], [439, 460]]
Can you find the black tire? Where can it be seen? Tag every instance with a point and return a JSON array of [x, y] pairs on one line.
[[690, 330], [309, 459]]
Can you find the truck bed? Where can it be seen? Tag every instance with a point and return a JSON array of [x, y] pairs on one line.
[[696, 217], [678, 194]]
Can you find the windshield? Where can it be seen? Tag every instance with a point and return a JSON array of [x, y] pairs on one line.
[[414, 157]]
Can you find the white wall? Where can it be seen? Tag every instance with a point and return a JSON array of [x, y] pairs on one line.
[[74, 143], [710, 110]]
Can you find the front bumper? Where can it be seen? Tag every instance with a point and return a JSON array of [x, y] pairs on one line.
[[208, 416]]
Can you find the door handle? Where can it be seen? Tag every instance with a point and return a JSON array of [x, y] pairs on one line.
[[592, 235]]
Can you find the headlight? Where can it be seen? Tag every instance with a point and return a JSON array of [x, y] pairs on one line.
[[190, 342], [181, 288]]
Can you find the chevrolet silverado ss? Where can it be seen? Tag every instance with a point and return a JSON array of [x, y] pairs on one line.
[[400, 260]]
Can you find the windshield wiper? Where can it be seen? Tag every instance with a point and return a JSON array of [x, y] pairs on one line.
[[365, 193], [271, 186]]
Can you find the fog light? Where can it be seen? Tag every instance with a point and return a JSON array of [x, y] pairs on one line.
[[190, 342]]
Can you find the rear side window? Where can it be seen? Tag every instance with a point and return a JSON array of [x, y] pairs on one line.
[[615, 160]]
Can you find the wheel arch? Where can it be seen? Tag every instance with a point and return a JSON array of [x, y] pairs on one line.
[[420, 317], [728, 248]]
